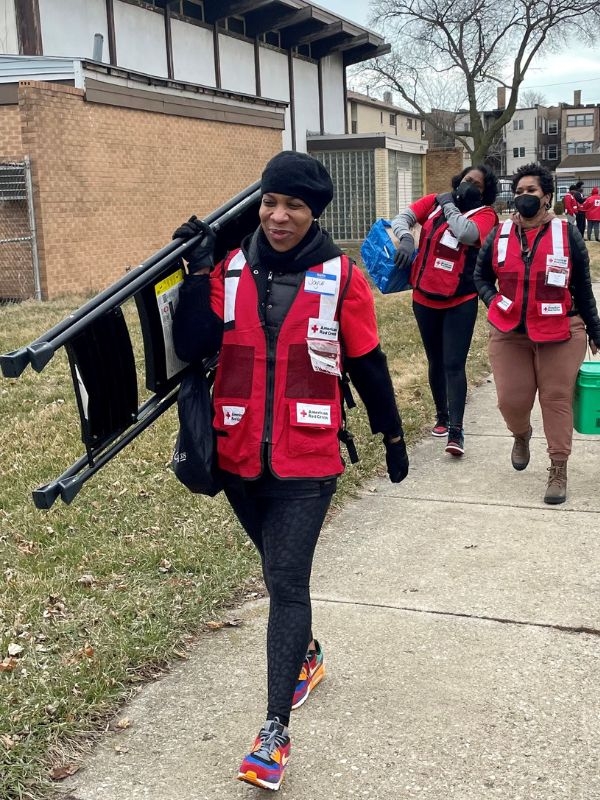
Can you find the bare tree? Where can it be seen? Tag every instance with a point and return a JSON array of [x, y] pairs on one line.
[[530, 98], [481, 44]]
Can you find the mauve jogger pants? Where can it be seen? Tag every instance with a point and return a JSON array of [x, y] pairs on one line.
[[521, 368]]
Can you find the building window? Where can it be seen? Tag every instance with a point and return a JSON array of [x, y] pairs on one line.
[[393, 120], [354, 126], [552, 127], [192, 9], [518, 152], [552, 152], [352, 211], [580, 120], [272, 37], [518, 124], [409, 124], [236, 25], [577, 148]]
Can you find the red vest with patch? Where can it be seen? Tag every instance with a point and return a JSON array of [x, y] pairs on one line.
[[535, 293], [440, 262], [279, 401]]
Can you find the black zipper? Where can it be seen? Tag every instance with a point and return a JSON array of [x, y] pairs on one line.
[[527, 259]]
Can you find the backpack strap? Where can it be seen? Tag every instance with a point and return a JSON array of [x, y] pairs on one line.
[[347, 399]]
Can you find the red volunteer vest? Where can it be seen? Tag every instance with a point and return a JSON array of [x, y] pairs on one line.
[[284, 403], [438, 267], [537, 293]]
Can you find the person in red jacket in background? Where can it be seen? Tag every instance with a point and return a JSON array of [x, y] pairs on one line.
[[591, 206], [571, 206], [454, 225]]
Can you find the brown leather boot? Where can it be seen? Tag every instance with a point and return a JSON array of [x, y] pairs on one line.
[[519, 456], [556, 491]]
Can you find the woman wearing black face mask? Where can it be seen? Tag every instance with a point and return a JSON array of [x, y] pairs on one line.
[[454, 225], [533, 274]]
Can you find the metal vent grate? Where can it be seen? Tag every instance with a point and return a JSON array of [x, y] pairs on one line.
[[12, 182]]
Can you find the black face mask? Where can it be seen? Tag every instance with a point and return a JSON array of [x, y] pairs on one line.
[[528, 205], [467, 196]]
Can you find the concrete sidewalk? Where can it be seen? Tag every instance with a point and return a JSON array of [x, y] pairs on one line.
[[460, 618]]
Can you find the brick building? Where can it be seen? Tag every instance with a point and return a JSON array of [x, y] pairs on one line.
[[378, 168], [177, 113]]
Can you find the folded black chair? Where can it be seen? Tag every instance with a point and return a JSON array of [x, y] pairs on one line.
[[98, 345]]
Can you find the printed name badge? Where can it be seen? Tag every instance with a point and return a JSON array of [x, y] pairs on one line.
[[233, 414], [319, 283], [449, 240], [313, 414], [323, 329], [442, 263], [552, 309], [557, 270], [504, 303]]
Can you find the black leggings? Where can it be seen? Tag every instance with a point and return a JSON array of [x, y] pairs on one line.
[[285, 531], [446, 335]]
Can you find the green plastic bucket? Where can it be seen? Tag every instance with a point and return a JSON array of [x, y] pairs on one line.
[[586, 401]]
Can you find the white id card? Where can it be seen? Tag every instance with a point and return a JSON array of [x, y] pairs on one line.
[[325, 356], [557, 271], [448, 240]]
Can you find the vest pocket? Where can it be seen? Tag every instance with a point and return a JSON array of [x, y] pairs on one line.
[[313, 428], [546, 293], [235, 371]]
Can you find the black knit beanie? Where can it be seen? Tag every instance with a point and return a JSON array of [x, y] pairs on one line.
[[298, 175]]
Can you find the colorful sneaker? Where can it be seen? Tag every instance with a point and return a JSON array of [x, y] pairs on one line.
[[440, 429], [456, 442], [266, 762], [312, 673]]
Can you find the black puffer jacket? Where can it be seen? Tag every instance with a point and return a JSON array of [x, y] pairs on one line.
[[580, 286]]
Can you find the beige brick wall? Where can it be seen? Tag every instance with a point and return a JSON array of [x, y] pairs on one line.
[[16, 271], [11, 145], [111, 184], [441, 167]]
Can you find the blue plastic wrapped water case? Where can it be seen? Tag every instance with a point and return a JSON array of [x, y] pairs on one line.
[[377, 252]]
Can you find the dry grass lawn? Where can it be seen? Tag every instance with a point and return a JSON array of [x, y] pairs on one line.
[[106, 593]]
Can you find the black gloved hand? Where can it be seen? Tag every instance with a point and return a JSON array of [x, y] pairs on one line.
[[445, 197], [202, 255], [396, 459], [404, 253]]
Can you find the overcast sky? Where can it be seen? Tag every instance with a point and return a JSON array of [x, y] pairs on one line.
[[556, 77]]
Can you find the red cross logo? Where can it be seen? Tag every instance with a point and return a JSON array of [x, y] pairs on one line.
[[303, 413], [315, 328]]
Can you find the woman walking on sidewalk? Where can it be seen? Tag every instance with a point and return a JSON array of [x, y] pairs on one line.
[[281, 310], [533, 275], [454, 224]]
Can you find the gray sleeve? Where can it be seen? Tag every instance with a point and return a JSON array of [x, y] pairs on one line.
[[402, 224], [464, 229]]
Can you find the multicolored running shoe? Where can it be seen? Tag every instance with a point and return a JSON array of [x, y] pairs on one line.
[[266, 762], [312, 673]]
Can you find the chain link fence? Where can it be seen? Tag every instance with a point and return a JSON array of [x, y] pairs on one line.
[[19, 273]]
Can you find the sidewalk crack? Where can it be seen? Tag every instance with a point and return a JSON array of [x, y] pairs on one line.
[[590, 631]]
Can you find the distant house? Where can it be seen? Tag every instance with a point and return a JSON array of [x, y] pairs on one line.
[[584, 168], [378, 168], [133, 114]]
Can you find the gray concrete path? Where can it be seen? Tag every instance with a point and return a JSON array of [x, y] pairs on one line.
[[460, 618]]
